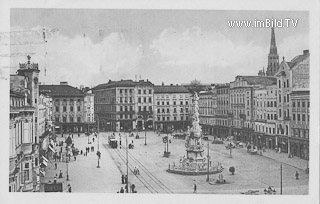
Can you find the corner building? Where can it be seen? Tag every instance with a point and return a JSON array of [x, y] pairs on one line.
[[124, 105]]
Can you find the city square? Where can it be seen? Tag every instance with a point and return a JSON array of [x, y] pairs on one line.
[[253, 172], [169, 102]]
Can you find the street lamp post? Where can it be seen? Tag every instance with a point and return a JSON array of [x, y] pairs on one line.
[[67, 169], [281, 178], [98, 153], [127, 162], [145, 133], [208, 164]]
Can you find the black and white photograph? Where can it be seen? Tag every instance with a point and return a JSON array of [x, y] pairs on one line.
[[209, 103]]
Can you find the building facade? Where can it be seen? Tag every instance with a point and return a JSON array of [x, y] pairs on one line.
[[124, 105], [242, 106], [172, 107], [223, 115], [24, 132], [207, 110], [69, 112]]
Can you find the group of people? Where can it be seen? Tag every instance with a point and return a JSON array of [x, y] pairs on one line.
[[136, 171], [132, 189]]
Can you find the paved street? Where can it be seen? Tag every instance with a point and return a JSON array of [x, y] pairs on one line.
[[253, 172]]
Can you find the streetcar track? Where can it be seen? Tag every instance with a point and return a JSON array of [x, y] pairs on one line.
[[151, 176], [146, 182]]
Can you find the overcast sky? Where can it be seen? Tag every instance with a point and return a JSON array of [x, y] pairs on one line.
[[170, 46]]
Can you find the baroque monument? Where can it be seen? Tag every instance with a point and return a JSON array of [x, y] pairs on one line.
[[195, 163]]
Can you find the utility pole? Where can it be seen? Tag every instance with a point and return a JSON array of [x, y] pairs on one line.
[[145, 133], [98, 146], [281, 178], [127, 163], [208, 164]]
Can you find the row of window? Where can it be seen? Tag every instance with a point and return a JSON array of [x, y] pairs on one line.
[[174, 110], [300, 117], [303, 104], [145, 108], [64, 108], [71, 119], [126, 100], [168, 118], [302, 133], [126, 91], [173, 96], [65, 100], [264, 104], [222, 91], [144, 100], [145, 91], [126, 108], [285, 83], [174, 103]]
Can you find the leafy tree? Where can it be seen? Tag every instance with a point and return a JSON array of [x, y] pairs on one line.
[[232, 170]]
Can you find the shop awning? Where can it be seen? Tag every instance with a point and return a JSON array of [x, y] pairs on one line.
[[44, 159], [43, 173], [44, 163], [53, 150]]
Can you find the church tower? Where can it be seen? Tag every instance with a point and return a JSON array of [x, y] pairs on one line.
[[273, 57]]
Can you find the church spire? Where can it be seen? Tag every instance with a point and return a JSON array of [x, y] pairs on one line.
[[273, 46], [273, 57]]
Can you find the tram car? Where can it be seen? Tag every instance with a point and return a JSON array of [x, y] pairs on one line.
[[113, 143]]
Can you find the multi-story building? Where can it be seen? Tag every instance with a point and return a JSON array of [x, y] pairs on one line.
[[24, 134], [265, 115], [124, 105], [68, 108], [89, 107], [242, 105], [292, 77], [299, 138], [172, 107], [223, 122], [207, 110]]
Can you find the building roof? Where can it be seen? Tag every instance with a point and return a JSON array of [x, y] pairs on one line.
[[260, 80], [123, 83], [170, 89], [299, 58], [60, 90]]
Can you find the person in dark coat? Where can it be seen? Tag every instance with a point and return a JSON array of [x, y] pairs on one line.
[[69, 188], [122, 179], [121, 190], [195, 188]]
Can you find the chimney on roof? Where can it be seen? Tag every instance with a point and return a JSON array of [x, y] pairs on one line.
[[109, 81], [305, 52], [81, 87], [63, 83], [171, 84], [135, 77], [162, 83]]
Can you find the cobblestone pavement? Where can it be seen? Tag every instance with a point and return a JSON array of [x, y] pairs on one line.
[[253, 172]]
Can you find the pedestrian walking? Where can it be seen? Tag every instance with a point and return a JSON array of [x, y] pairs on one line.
[[297, 175], [133, 187], [75, 158], [78, 134], [126, 178], [122, 179], [69, 188], [60, 174], [126, 187], [56, 165], [195, 188]]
